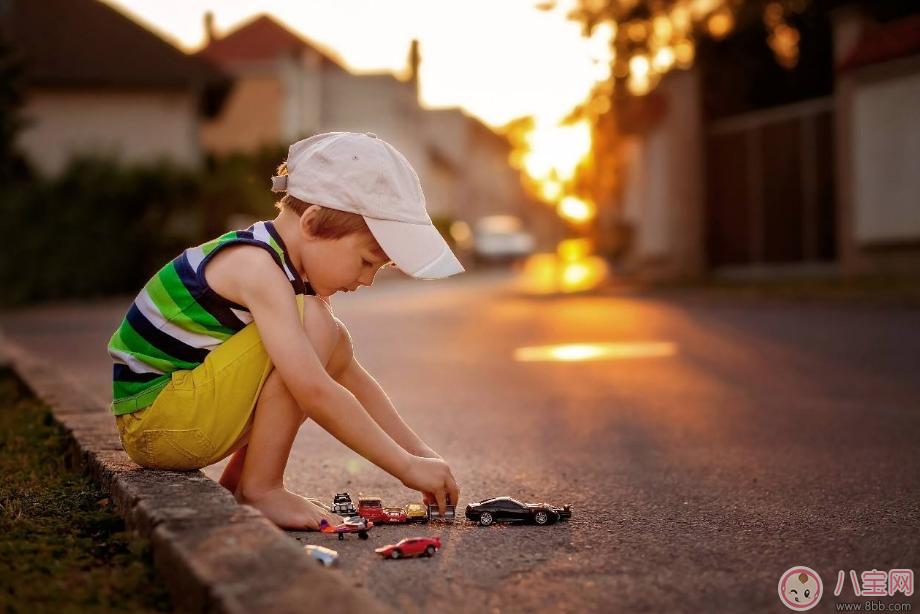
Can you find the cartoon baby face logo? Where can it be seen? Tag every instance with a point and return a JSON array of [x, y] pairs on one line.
[[800, 588]]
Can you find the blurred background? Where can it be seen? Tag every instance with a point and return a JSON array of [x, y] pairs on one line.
[[631, 186], [584, 142]]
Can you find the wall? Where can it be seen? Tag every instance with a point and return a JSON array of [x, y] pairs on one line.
[[251, 115], [663, 190], [133, 126], [878, 135], [885, 124]]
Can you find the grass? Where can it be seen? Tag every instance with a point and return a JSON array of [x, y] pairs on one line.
[[62, 546]]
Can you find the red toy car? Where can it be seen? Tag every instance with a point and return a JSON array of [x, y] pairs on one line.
[[370, 508], [411, 546], [395, 515]]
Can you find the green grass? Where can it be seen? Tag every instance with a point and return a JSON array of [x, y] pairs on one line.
[[62, 546]]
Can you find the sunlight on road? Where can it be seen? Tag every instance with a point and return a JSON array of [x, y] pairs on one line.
[[574, 352]]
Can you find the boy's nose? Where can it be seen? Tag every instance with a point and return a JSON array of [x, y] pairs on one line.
[[367, 278]]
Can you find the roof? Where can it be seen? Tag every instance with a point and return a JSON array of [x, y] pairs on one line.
[[262, 38], [88, 44], [885, 41]]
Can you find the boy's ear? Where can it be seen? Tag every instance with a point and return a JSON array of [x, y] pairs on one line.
[[305, 219]]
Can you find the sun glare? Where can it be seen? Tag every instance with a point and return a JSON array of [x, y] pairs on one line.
[[555, 150], [579, 352]]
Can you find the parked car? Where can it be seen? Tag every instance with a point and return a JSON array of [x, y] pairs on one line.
[[416, 512], [324, 556], [370, 508], [395, 515], [342, 505], [506, 509], [501, 238], [411, 546]]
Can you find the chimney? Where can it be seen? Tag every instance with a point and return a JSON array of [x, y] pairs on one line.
[[209, 35], [414, 61]]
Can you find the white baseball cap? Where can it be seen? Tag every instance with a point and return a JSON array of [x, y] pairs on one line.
[[360, 173]]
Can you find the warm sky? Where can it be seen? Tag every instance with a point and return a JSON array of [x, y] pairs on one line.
[[498, 59]]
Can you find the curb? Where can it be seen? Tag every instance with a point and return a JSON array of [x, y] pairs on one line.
[[214, 554]]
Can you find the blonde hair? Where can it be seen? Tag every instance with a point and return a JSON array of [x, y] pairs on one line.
[[328, 223]]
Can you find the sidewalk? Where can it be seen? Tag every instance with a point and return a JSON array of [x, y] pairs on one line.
[[215, 555]]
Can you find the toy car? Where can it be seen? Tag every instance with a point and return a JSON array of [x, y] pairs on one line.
[[342, 505], [351, 525], [450, 512], [324, 556], [395, 515], [411, 546], [506, 509], [416, 512], [370, 508]]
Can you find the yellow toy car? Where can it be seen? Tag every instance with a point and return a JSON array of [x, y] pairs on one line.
[[416, 512]]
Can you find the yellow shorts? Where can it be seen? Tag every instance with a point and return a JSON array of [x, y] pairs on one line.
[[202, 415]]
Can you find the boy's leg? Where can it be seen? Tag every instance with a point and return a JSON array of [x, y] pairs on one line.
[[261, 482], [230, 477], [276, 420]]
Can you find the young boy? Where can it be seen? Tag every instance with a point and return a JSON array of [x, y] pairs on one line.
[[233, 345]]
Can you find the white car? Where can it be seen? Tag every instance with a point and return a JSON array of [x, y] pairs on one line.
[[501, 237], [324, 556]]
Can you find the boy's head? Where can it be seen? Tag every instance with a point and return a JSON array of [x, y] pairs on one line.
[[359, 200], [340, 249]]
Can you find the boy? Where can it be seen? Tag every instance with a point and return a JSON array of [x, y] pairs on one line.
[[233, 345]]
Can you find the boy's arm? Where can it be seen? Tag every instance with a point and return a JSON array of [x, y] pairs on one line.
[[375, 400], [255, 281], [351, 374], [265, 291]]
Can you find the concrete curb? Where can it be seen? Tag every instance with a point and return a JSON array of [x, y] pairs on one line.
[[215, 555]]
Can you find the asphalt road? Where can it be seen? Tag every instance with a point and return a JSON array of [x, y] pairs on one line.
[[767, 435]]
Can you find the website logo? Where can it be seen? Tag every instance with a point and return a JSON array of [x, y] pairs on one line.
[[800, 588]]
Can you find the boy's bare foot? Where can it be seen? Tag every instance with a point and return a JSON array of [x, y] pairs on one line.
[[287, 510]]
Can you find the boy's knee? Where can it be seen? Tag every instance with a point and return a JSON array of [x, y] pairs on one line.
[[343, 352], [327, 334]]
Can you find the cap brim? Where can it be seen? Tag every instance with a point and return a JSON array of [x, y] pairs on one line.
[[418, 250]]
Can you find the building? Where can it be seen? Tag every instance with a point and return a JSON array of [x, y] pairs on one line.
[[740, 166], [877, 127], [288, 88], [96, 82]]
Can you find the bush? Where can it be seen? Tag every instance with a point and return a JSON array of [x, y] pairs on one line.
[[96, 229]]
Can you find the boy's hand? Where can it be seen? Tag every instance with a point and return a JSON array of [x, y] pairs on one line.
[[432, 478]]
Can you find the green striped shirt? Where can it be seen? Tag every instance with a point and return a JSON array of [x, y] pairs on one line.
[[177, 318]]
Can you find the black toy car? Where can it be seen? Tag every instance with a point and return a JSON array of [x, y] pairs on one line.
[[342, 505], [506, 509]]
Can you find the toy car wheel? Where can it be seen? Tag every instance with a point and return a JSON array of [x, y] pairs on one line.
[[395, 554], [541, 517], [485, 519], [429, 551], [341, 536], [363, 535]]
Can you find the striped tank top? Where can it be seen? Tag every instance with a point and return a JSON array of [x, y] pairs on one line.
[[177, 318]]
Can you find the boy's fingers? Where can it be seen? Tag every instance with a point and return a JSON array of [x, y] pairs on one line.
[[440, 497], [453, 491]]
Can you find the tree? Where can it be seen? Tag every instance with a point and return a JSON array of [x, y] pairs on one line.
[[648, 38]]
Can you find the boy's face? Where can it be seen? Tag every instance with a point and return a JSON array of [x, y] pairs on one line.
[[345, 264]]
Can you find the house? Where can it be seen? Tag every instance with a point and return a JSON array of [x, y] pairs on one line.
[[288, 88], [740, 166], [96, 82], [878, 131]]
